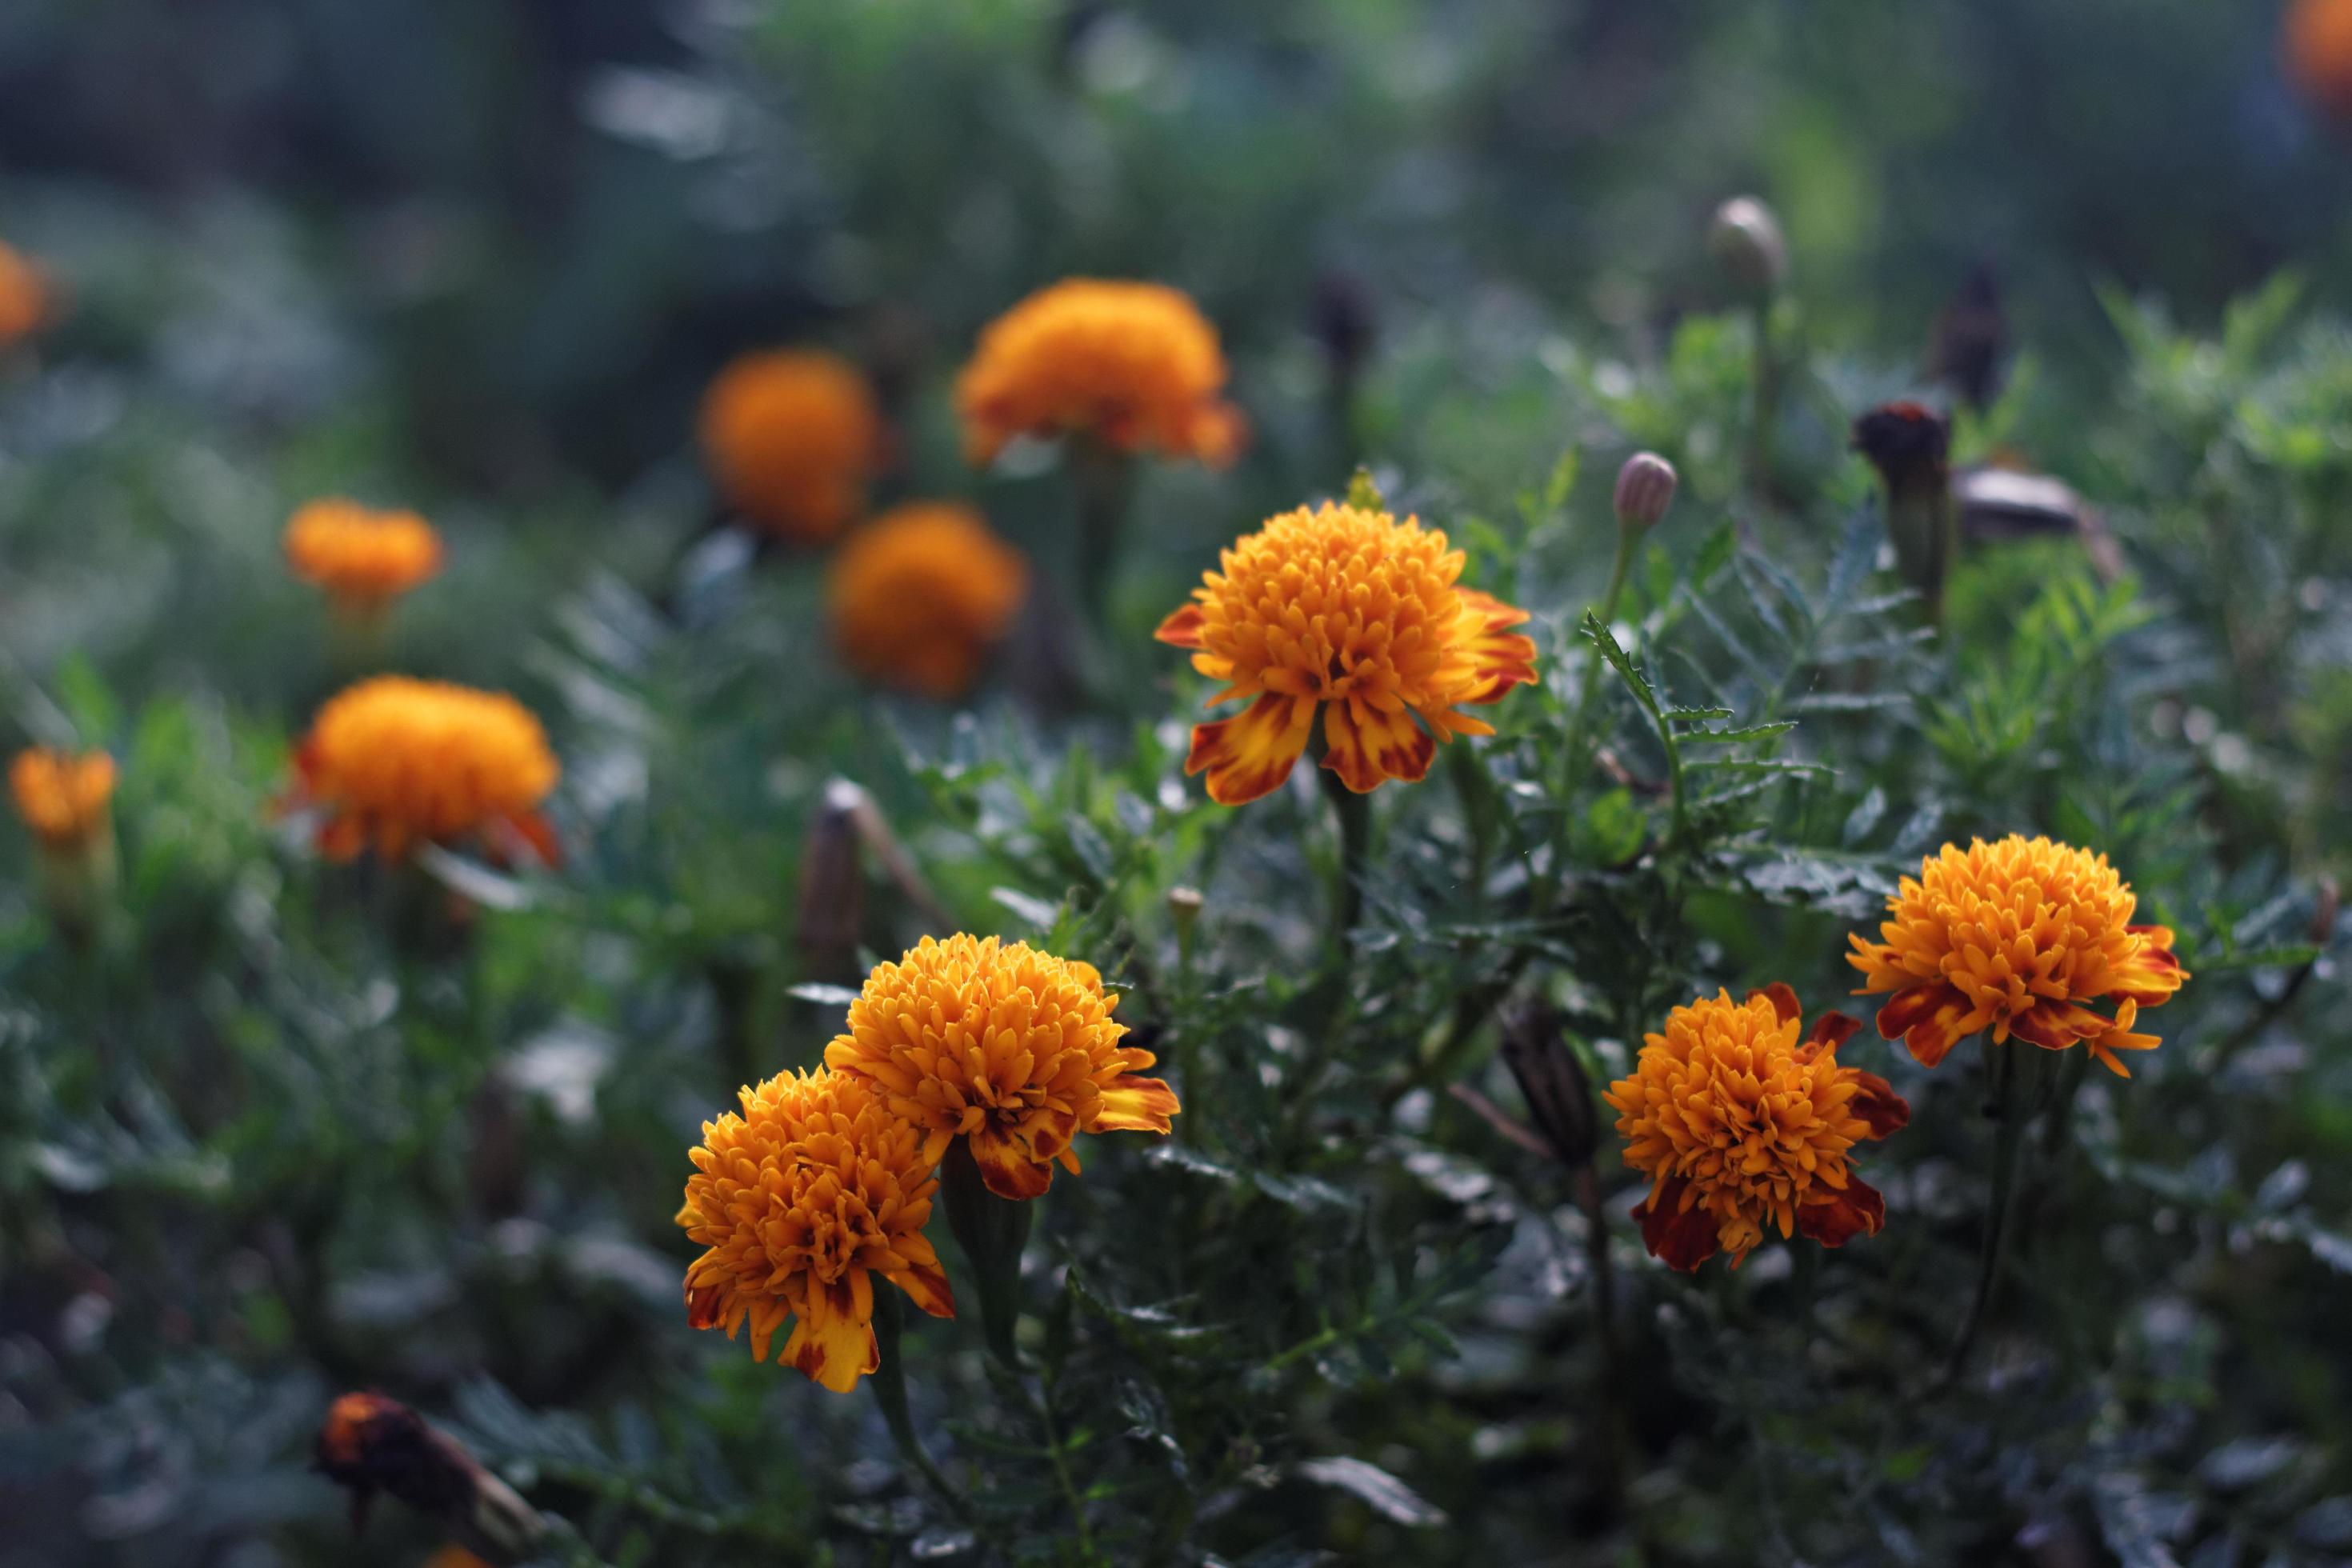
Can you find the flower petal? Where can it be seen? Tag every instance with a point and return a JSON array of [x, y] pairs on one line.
[[1840, 1215], [927, 1289], [1005, 1166], [830, 1344], [1783, 998], [1250, 754], [1926, 1019], [1368, 748], [1502, 658], [1875, 1101], [1133, 1104], [1183, 628], [1679, 1236]]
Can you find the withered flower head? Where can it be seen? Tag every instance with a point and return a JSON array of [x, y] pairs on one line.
[[1908, 444], [1748, 246], [373, 1444]]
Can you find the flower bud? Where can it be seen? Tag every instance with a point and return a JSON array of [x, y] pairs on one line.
[[1909, 445], [1552, 1081], [1746, 241], [831, 904], [1645, 488], [372, 1444], [1184, 909]]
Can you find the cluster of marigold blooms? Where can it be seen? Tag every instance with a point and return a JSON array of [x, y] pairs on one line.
[[821, 1181], [918, 596]]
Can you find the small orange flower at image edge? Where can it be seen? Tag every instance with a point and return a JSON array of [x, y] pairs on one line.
[[26, 299], [792, 438], [2316, 35], [362, 557], [1739, 1124], [800, 1199], [2016, 937], [1358, 614], [919, 595], [61, 797], [1134, 365], [392, 762], [1013, 1050]]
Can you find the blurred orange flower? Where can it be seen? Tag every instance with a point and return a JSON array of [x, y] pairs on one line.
[[26, 298], [2317, 39], [1013, 1050], [920, 594], [1135, 365], [61, 797], [1353, 611], [1739, 1124], [792, 438], [799, 1201], [364, 558], [392, 762], [2016, 936]]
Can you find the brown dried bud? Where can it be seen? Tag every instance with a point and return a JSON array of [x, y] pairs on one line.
[[832, 909], [1909, 445], [1747, 244], [1645, 488], [1551, 1079], [373, 1444]]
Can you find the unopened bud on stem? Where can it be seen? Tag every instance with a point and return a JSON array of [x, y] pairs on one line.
[[1747, 244], [1645, 488]]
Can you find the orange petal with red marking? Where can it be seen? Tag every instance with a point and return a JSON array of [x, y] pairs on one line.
[[1784, 1001], [1133, 1104], [1858, 1210], [1926, 1019], [1875, 1101], [1183, 628], [1250, 755], [1677, 1236], [1006, 1168], [1367, 748]]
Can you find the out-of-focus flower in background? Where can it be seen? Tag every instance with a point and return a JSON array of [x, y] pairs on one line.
[[792, 438], [920, 595], [363, 558]]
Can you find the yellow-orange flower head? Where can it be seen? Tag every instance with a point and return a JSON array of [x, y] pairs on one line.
[[1739, 1124], [2317, 39], [25, 297], [1355, 612], [363, 557], [1013, 1050], [800, 1200], [920, 594], [1134, 365], [2016, 937], [792, 438], [392, 762], [61, 797]]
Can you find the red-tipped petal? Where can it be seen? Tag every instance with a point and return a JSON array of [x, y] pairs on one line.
[[1783, 997], [1183, 628], [1876, 1102], [1367, 748], [1926, 1019], [1006, 1168], [1858, 1210], [1250, 754], [1679, 1237], [1133, 1104]]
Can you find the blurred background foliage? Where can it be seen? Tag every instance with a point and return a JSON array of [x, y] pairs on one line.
[[287, 1132]]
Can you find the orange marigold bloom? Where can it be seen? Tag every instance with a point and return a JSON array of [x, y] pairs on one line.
[[1356, 611], [363, 557], [62, 797], [2317, 39], [25, 297], [1739, 1123], [921, 594], [801, 1199], [394, 762], [1135, 365], [2016, 936], [1013, 1050], [792, 438]]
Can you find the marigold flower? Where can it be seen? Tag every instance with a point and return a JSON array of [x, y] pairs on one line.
[[1013, 1050], [2317, 35], [62, 797], [363, 557], [921, 594], [801, 1199], [1739, 1123], [2017, 936], [394, 762], [25, 297], [1135, 365], [792, 438], [1349, 608]]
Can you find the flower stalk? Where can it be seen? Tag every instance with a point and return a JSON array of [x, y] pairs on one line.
[[889, 1382], [2003, 1107], [992, 1232]]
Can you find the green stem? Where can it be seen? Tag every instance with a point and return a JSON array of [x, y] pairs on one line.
[[1759, 426], [1061, 1474], [889, 1382], [1605, 1322], [993, 1231], [2009, 1120], [1578, 737], [1355, 813], [1103, 476]]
